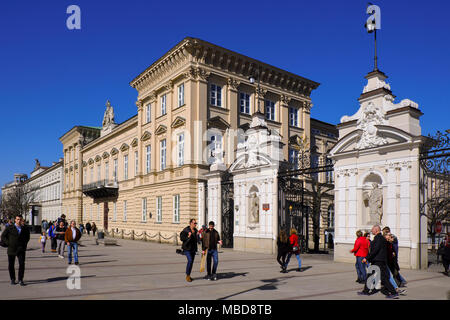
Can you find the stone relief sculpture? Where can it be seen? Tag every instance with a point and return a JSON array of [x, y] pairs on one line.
[[371, 116], [374, 200], [253, 208]]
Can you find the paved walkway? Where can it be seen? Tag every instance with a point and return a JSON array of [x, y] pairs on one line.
[[146, 270]]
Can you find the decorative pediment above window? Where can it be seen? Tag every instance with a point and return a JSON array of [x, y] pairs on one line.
[[178, 122], [105, 155], [134, 143], [124, 147], [161, 129], [98, 158], [114, 151], [147, 135], [219, 123], [90, 161]]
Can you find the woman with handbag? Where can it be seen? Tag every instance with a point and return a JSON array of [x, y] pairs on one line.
[[293, 239]]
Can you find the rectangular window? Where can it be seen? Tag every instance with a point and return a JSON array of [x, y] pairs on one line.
[[163, 104], [148, 113], [215, 143], [181, 95], [244, 102], [148, 159], [99, 173], [163, 154], [270, 110], [215, 95], [124, 210], [144, 209], [92, 175], [106, 170], [293, 117], [115, 171], [84, 176], [136, 163], [115, 211], [293, 157], [181, 149], [125, 167], [158, 209], [176, 208]]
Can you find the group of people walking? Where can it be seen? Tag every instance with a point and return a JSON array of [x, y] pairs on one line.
[[17, 235], [287, 246], [382, 252]]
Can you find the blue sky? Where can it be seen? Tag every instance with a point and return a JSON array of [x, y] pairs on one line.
[[52, 78]]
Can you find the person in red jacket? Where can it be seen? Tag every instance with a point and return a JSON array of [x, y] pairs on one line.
[[360, 250]]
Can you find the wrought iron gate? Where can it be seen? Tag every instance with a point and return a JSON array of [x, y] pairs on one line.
[[434, 181], [227, 210]]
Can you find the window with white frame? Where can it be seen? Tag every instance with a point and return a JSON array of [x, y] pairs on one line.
[[158, 209], [162, 149], [329, 177], [244, 102], [270, 110], [125, 167], [180, 149], [115, 162], [163, 104], [215, 143], [99, 173], [331, 216], [124, 210], [91, 175], [215, 95], [176, 208], [293, 157], [293, 116], [181, 95], [148, 158], [136, 163], [144, 209], [148, 113]]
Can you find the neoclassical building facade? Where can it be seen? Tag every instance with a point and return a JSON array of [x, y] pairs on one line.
[[145, 174]]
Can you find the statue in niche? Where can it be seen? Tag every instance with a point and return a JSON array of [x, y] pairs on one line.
[[108, 117], [253, 208], [374, 200]]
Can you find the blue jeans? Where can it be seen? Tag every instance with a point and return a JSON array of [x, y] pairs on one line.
[[190, 255], [360, 269], [298, 259], [391, 279], [73, 247], [215, 256]]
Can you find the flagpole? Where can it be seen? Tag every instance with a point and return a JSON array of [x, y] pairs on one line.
[[376, 58]]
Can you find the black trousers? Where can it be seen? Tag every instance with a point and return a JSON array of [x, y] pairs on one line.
[[11, 266], [446, 263], [384, 277], [54, 244], [281, 258]]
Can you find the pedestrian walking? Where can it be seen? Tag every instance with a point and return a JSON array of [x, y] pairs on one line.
[[94, 228], [16, 238], [283, 250], [88, 228], [189, 246], [393, 242], [43, 240], [360, 250], [81, 227], [72, 236], [210, 240], [293, 239], [446, 253], [52, 236], [61, 244], [378, 257]]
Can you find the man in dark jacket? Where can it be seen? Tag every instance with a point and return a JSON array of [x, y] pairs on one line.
[[378, 257], [189, 238], [209, 242], [16, 237]]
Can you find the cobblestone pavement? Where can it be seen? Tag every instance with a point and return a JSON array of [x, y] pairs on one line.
[[147, 270]]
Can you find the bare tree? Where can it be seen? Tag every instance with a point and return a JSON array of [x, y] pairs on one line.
[[18, 200]]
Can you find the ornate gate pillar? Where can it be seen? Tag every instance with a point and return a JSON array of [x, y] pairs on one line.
[[377, 173]]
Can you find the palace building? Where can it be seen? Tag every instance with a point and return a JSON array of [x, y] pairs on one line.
[[147, 174]]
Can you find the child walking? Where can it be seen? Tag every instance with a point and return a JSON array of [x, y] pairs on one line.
[[43, 241]]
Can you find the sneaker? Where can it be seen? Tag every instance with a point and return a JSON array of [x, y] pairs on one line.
[[188, 279], [214, 277], [13, 282], [401, 292], [363, 293], [22, 283], [392, 296], [207, 277], [62, 257]]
